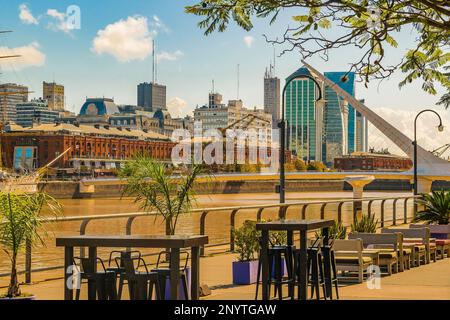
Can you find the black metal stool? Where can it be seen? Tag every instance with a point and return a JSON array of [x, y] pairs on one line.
[[276, 274], [330, 270], [315, 271], [164, 272], [103, 281], [140, 283], [119, 269]]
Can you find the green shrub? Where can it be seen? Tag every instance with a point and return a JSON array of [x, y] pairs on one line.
[[246, 240], [367, 224], [337, 231], [437, 208]]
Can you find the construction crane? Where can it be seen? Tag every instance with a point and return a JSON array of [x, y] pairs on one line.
[[253, 118], [441, 150]]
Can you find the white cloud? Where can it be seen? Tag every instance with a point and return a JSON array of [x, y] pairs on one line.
[[169, 56], [30, 56], [427, 135], [177, 107], [158, 24], [26, 16], [125, 40], [59, 22], [248, 40]]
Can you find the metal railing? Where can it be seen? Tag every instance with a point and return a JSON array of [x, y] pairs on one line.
[[282, 211]]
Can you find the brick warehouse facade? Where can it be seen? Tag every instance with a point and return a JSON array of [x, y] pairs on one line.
[[82, 147]]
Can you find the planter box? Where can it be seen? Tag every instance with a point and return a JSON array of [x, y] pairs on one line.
[[180, 286], [245, 272], [438, 231]]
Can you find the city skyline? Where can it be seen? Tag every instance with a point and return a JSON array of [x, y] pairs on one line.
[[90, 66]]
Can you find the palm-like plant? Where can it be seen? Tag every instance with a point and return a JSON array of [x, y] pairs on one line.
[[367, 224], [21, 220], [156, 190], [437, 208]]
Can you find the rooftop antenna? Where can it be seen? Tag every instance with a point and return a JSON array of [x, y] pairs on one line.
[[274, 58], [238, 82], [156, 62], [153, 58], [213, 91]]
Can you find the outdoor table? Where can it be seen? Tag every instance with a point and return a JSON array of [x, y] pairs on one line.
[[290, 226], [172, 242]]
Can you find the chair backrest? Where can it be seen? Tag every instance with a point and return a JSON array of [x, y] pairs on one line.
[[184, 259], [355, 245], [128, 265], [421, 233], [376, 238]]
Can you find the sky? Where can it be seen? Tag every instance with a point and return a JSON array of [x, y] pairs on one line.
[[111, 53]]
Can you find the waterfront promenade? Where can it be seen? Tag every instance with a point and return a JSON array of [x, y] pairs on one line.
[[431, 281]]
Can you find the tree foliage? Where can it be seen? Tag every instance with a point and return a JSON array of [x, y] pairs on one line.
[[20, 219], [437, 208], [156, 190], [370, 26]]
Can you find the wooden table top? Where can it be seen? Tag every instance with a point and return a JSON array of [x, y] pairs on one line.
[[295, 225], [143, 241]]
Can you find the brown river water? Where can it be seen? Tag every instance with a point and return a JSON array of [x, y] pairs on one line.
[[217, 223]]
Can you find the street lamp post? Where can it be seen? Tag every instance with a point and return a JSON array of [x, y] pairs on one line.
[[440, 128], [282, 126]]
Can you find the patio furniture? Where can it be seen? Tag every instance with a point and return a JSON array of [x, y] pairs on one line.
[[349, 257], [330, 269], [420, 237], [281, 255], [392, 253], [443, 247], [140, 283], [163, 271], [290, 226], [174, 242], [438, 231], [119, 268], [316, 277], [101, 284]]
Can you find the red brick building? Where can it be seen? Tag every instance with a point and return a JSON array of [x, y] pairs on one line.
[[95, 147], [362, 161]]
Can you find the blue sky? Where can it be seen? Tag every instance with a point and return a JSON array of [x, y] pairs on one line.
[[189, 60]]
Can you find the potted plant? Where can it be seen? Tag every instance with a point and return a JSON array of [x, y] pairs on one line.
[[436, 213], [20, 219], [367, 224], [247, 245], [337, 231], [157, 190]]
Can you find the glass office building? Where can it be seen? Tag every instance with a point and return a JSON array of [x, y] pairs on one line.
[[318, 131], [300, 115]]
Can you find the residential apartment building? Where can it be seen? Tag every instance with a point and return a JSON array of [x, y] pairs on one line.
[[11, 94], [54, 94]]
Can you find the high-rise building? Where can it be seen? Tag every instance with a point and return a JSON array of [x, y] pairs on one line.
[[54, 94], [300, 100], [214, 100], [151, 96], [272, 96], [323, 130], [361, 132], [35, 112], [8, 102]]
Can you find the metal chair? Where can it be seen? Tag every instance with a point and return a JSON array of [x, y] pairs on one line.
[[140, 283], [104, 281], [119, 268], [163, 271]]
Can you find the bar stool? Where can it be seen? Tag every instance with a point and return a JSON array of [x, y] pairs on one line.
[[119, 269], [276, 255], [104, 281], [140, 283], [315, 271], [330, 270], [164, 272]]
